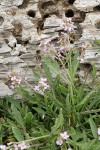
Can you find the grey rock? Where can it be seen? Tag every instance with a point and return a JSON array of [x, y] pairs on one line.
[[12, 60], [4, 90], [11, 2], [4, 48], [86, 5], [52, 22]]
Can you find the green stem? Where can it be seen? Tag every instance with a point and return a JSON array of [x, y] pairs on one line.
[[30, 140]]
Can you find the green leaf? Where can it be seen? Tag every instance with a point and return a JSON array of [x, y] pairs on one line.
[[17, 134], [94, 71], [2, 133], [59, 121], [56, 83], [85, 99], [92, 142], [37, 75], [95, 146], [75, 64], [86, 145], [93, 127], [73, 134], [63, 89], [56, 101], [84, 135], [17, 115], [14, 102], [11, 123], [47, 73], [29, 118], [39, 110], [68, 104], [53, 65], [53, 146]]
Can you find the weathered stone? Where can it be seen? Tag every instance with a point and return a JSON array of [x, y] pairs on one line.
[[52, 22], [12, 41], [11, 2], [86, 5], [4, 48], [4, 90], [12, 60], [20, 48]]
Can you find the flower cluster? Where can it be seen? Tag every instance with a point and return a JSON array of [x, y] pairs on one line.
[[15, 146], [54, 51], [13, 79], [62, 137], [63, 45], [42, 86], [68, 25], [48, 48]]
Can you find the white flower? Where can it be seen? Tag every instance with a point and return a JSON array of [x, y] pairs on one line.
[[64, 135], [69, 149], [43, 116], [98, 131]]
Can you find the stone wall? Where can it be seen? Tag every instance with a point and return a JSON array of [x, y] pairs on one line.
[[24, 23]]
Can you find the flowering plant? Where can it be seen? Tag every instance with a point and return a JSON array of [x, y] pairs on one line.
[[60, 112]]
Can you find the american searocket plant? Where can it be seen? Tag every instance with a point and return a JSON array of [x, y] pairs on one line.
[[60, 112]]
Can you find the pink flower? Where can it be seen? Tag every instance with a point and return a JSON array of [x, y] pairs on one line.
[[59, 55], [36, 88], [42, 80], [15, 147], [19, 80], [45, 49], [42, 86], [59, 142], [83, 46], [13, 79], [46, 87], [47, 41], [64, 135], [67, 24], [23, 145], [3, 147], [70, 28]]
